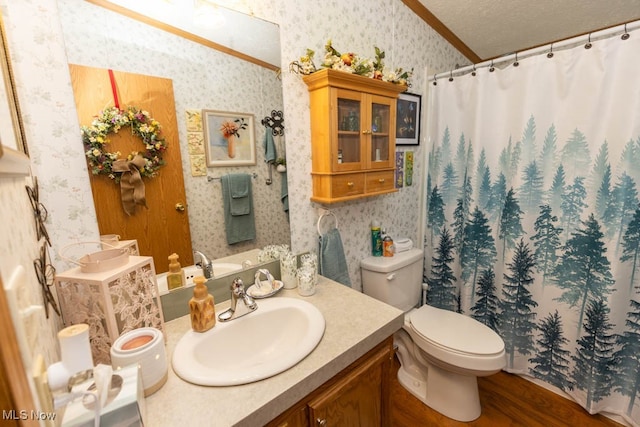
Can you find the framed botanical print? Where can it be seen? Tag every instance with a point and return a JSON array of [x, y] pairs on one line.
[[229, 138]]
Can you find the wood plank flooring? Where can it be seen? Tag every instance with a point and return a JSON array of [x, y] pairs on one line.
[[506, 399]]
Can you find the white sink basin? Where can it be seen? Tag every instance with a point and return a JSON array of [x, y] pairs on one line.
[[270, 340]]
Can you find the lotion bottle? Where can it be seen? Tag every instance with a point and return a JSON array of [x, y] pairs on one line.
[[201, 307], [175, 276]]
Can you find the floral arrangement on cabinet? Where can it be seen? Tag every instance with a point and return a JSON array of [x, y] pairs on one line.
[[352, 63]]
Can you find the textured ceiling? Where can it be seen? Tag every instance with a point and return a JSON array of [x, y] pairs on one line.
[[491, 28]]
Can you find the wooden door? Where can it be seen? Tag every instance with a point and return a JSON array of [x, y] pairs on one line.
[[161, 229]]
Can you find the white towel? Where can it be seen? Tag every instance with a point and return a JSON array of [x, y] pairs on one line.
[[403, 244]]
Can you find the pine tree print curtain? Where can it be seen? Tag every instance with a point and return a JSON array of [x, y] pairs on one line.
[[533, 221]]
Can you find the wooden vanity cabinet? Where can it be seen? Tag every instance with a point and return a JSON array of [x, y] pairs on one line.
[[353, 122], [356, 396]]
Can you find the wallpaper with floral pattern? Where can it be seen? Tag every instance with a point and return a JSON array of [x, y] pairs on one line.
[[37, 41]]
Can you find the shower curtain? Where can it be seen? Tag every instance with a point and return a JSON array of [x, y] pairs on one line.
[[533, 221]]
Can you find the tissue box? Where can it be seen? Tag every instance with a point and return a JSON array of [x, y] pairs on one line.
[[125, 406]]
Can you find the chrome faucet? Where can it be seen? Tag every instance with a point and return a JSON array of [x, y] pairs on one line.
[[204, 264], [238, 293]]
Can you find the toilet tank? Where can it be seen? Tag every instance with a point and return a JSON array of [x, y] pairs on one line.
[[396, 280]]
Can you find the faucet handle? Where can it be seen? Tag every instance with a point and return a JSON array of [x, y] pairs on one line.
[[237, 286]]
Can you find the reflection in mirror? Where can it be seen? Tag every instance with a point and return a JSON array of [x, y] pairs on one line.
[[11, 129], [210, 23], [202, 78]]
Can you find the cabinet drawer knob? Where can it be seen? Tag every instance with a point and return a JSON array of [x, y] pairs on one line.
[[321, 422], [350, 184], [381, 180]]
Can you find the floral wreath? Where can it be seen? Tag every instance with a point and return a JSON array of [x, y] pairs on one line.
[[112, 119]]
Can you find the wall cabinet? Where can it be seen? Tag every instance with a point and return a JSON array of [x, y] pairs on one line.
[[353, 122], [356, 396]]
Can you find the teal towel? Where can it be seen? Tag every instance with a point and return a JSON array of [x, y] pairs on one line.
[[239, 188], [284, 192], [333, 263], [238, 227], [270, 153]]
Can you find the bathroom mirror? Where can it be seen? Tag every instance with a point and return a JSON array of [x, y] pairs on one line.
[[203, 78], [11, 129]]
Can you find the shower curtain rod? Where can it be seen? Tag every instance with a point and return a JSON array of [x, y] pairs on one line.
[[563, 44]]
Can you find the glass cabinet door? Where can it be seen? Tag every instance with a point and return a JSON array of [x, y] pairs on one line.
[[379, 133], [382, 122], [349, 145]]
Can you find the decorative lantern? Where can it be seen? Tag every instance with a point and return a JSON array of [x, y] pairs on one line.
[[111, 302]]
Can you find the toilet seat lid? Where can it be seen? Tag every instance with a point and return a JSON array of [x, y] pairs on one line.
[[455, 331]]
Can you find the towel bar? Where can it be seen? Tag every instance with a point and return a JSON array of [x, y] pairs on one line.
[[218, 178]]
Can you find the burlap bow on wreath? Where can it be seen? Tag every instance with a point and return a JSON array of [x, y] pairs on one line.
[[131, 185], [130, 171]]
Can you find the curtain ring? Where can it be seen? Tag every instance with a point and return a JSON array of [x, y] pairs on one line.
[[588, 45], [451, 75], [435, 82], [473, 72], [515, 64], [492, 68], [626, 35], [550, 54]]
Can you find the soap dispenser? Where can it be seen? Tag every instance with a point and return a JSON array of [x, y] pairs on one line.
[[175, 276], [201, 307]]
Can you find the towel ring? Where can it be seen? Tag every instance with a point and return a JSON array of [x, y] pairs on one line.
[[335, 218]]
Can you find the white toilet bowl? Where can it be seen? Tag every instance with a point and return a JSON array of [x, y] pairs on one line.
[[441, 355], [441, 352]]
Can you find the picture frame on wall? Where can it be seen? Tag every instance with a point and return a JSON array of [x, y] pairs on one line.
[[408, 112], [229, 138]]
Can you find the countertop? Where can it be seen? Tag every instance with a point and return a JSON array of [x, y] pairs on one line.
[[355, 323]]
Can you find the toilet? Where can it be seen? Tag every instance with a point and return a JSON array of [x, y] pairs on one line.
[[441, 352]]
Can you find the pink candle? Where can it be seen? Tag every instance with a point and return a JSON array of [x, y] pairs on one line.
[[137, 342]]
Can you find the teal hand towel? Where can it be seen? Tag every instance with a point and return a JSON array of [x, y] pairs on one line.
[[270, 153], [333, 263], [239, 189], [238, 228]]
